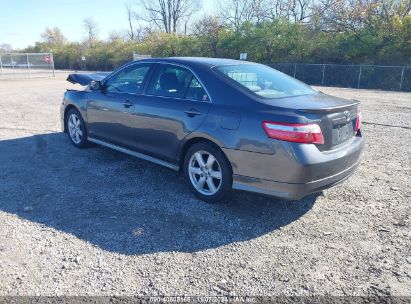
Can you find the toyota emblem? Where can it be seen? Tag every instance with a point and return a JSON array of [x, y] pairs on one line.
[[347, 115]]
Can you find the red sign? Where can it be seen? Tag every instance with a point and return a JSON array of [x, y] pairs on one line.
[[48, 59]]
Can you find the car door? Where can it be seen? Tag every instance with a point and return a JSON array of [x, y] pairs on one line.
[[110, 109], [175, 104]]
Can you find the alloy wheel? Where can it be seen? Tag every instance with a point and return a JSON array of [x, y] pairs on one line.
[[74, 128], [205, 172]]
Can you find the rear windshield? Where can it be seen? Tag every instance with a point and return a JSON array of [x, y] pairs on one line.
[[265, 81]]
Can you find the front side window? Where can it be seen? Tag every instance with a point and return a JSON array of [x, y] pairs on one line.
[[265, 81], [176, 82], [128, 80]]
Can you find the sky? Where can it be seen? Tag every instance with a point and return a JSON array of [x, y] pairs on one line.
[[22, 21]]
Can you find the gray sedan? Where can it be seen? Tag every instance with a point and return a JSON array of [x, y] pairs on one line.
[[223, 123]]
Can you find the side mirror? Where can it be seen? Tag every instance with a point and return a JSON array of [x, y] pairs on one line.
[[95, 85]]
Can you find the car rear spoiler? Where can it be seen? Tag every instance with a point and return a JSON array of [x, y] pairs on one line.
[[332, 109], [85, 79]]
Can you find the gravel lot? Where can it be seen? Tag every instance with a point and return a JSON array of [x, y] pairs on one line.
[[98, 222]]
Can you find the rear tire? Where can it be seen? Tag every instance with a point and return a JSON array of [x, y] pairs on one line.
[[76, 129], [208, 172]]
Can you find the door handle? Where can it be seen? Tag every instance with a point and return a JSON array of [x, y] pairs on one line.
[[128, 104], [192, 112]]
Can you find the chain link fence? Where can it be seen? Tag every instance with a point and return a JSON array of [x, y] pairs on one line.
[[26, 65], [391, 78]]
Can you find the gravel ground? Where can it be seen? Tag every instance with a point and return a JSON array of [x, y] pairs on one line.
[[98, 222]]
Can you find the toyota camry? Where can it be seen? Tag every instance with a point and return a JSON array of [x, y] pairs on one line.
[[225, 124]]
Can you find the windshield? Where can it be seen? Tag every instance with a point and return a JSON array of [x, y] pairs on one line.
[[265, 81]]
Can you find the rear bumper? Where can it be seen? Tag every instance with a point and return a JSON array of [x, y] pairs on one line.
[[288, 190], [294, 171]]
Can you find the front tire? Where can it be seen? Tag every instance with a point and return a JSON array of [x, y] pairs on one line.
[[76, 129], [208, 172]]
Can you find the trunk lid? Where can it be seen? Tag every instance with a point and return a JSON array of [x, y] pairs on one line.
[[338, 126], [337, 117]]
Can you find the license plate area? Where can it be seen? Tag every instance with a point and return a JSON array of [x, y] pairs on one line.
[[342, 133]]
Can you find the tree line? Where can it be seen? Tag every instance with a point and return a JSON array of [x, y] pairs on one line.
[[270, 31]]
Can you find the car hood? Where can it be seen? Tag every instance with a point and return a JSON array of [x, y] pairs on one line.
[[85, 79]]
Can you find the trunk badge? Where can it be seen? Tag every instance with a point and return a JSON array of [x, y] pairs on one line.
[[347, 115]]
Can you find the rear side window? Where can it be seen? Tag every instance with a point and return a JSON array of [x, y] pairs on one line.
[[196, 91], [176, 82], [128, 80], [265, 81]]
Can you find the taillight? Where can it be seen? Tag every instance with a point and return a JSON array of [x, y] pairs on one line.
[[299, 133], [358, 122]]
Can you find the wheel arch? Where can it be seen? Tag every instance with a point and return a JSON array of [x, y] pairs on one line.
[[66, 110], [194, 140]]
